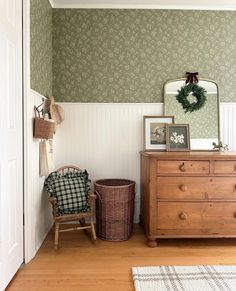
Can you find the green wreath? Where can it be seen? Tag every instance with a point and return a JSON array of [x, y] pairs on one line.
[[197, 91]]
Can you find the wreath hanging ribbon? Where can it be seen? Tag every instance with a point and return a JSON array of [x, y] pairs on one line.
[[191, 87], [191, 77]]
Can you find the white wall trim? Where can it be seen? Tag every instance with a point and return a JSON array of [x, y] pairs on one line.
[[144, 7], [27, 154], [143, 4], [92, 104], [227, 103], [52, 3], [120, 104], [32, 91]]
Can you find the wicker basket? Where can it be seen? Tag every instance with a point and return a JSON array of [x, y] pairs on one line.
[[43, 128], [114, 209]]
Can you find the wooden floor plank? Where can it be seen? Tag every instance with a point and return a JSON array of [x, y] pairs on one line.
[[79, 264]]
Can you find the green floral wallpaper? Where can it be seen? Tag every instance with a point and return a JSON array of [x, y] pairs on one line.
[[41, 46], [128, 55]]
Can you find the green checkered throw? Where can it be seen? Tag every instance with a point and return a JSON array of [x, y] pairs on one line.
[[71, 191]]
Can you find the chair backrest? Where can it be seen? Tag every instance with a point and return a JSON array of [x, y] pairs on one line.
[[74, 187], [69, 168]]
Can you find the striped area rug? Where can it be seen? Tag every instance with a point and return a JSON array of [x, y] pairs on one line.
[[185, 278]]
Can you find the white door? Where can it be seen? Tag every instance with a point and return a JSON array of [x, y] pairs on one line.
[[11, 168]]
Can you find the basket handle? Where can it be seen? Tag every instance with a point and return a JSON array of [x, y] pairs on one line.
[[36, 112], [99, 196], [36, 109]]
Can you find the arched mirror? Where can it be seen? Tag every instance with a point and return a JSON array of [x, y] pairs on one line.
[[204, 123]]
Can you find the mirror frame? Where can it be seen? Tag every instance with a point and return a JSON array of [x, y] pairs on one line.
[[218, 110]]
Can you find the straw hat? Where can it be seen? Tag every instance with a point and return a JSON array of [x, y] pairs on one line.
[[56, 111]]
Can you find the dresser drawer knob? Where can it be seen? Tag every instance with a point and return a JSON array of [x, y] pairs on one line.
[[183, 188], [183, 216], [182, 168]]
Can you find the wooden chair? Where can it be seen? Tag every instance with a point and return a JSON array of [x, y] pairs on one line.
[[81, 217]]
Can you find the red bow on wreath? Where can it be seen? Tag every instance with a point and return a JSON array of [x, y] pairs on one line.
[[191, 78]]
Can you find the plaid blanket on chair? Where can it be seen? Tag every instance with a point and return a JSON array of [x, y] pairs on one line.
[[71, 191]]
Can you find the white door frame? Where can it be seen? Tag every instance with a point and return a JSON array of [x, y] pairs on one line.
[[29, 239]]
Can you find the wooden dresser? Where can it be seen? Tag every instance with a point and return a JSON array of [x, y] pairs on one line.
[[190, 194]]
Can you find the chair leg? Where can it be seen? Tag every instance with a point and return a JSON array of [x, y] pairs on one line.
[[82, 222], [93, 230], [56, 235]]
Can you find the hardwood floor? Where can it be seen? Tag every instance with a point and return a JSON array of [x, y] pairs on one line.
[[79, 264]]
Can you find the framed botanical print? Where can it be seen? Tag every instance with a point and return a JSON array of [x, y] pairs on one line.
[[177, 137], [155, 132]]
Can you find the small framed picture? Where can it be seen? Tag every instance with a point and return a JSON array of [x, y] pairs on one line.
[[155, 132], [177, 137]]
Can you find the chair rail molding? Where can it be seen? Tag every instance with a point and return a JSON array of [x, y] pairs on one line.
[[52, 2], [146, 4]]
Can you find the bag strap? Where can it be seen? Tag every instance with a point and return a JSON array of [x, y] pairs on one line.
[[36, 109], [36, 112]]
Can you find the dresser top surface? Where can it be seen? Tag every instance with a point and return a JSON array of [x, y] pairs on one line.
[[191, 154]]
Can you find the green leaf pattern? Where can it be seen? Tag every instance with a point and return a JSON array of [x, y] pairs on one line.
[[128, 55], [105, 55], [41, 46]]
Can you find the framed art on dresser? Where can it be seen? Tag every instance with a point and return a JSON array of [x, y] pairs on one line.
[[177, 137], [154, 134]]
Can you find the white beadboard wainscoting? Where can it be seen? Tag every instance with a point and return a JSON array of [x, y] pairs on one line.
[[228, 124], [39, 218], [105, 138]]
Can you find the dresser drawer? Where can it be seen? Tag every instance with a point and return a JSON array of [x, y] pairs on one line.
[[216, 218], [183, 167], [183, 188], [196, 188], [223, 188], [225, 167]]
